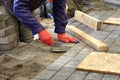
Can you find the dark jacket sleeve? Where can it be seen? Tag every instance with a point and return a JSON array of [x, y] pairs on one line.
[[21, 10]]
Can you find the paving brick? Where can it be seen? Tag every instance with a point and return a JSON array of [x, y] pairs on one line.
[[117, 28], [114, 49], [82, 27], [118, 39], [78, 47], [1, 15], [71, 53], [115, 32], [94, 76], [110, 77], [65, 72], [2, 24], [116, 13], [6, 13], [76, 23], [88, 30], [94, 33], [58, 78], [108, 43], [107, 14], [103, 33], [7, 47], [39, 79], [113, 36], [8, 31], [109, 28], [72, 20], [86, 51], [9, 39], [117, 42], [11, 21], [63, 59], [79, 57], [78, 75], [45, 75], [72, 64], [55, 66], [110, 40], [100, 37], [3, 52]]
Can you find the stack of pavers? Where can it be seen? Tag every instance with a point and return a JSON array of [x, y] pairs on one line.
[[8, 31]]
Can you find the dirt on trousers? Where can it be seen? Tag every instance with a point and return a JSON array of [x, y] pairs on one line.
[[26, 61]]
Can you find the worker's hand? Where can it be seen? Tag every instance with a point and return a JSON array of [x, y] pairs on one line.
[[65, 38], [46, 38]]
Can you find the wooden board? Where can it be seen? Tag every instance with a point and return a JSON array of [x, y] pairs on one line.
[[101, 62], [96, 44], [112, 20], [88, 20]]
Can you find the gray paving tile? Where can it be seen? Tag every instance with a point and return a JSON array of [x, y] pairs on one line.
[[110, 77], [65, 72], [113, 36], [110, 40], [114, 49], [101, 37], [109, 28], [94, 33], [78, 75], [59, 78], [72, 64], [76, 23], [79, 57], [108, 43], [106, 15], [71, 53], [55, 66], [63, 59], [72, 20], [45, 75], [78, 47], [117, 28], [94, 76]]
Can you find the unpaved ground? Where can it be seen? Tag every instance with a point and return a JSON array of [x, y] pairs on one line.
[[26, 61]]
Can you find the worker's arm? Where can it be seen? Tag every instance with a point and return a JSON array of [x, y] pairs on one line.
[[22, 11]]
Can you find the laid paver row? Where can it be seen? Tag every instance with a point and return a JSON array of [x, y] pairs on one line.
[[97, 77], [67, 71], [61, 72]]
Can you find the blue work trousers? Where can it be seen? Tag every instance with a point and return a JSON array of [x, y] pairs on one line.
[[22, 9]]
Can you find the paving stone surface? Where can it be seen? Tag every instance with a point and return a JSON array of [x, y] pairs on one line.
[[64, 68], [113, 2], [8, 31], [9, 39], [7, 47]]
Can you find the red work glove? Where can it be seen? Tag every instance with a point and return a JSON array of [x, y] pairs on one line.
[[51, 1], [46, 38], [65, 38]]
